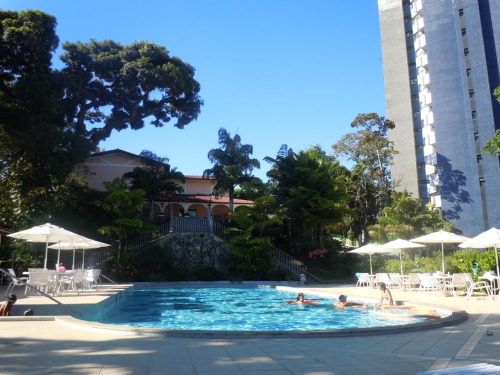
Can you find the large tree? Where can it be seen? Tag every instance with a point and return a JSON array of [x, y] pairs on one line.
[[371, 152], [155, 177], [310, 187], [232, 165], [492, 147], [52, 119]]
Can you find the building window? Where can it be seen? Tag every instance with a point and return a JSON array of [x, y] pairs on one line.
[[466, 52], [408, 19], [476, 136], [474, 115], [479, 159], [471, 93], [461, 12], [469, 71], [414, 81], [420, 165], [419, 147], [464, 32], [416, 114], [481, 181], [423, 182]]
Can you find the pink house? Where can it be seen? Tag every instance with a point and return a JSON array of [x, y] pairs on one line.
[[197, 200]]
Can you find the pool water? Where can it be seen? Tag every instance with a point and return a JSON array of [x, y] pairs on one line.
[[235, 309]]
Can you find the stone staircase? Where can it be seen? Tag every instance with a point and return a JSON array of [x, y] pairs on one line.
[[280, 259]]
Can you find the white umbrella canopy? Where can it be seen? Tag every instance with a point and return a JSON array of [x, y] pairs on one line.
[[490, 238], [400, 244], [370, 249], [84, 243], [46, 233], [442, 237]]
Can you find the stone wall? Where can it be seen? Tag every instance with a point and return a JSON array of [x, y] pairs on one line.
[[194, 251]]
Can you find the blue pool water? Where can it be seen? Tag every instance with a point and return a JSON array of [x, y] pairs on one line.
[[234, 309]]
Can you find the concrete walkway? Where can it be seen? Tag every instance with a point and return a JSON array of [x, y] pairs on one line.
[[30, 346]]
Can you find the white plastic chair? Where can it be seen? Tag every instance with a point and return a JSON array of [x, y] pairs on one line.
[[412, 282], [477, 286], [363, 279], [40, 279], [428, 284], [73, 281], [458, 281], [15, 281], [396, 280], [92, 278]]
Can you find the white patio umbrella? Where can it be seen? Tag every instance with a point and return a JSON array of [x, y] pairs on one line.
[[46, 233], [370, 249], [441, 237], [85, 243], [400, 244], [490, 238]]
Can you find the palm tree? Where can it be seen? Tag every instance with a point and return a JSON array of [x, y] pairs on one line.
[[156, 177], [232, 165]]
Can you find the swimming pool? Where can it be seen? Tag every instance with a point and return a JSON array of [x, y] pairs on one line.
[[235, 309]]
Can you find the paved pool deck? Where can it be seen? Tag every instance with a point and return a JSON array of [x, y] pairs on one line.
[[31, 345]]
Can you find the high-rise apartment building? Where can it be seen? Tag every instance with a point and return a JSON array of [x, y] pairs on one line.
[[441, 66]]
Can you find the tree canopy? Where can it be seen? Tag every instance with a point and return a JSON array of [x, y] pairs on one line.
[[492, 147], [232, 164], [156, 177], [405, 218], [370, 181], [52, 119], [309, 187]]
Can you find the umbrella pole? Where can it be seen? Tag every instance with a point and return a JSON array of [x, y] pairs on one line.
[[74, 251], [46, 254], [442, 256], [58, 256], [401, 260], [371, 269], [496, 258]]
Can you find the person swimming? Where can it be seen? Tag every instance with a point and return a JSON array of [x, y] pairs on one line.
[[343, 302]]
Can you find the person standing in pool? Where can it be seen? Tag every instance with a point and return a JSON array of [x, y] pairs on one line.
[[385, 295]]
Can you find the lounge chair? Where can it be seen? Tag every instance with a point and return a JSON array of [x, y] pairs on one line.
[[15, 281], [476, 369], [477, 286]]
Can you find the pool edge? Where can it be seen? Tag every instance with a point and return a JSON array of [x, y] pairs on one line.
[[456, 316]]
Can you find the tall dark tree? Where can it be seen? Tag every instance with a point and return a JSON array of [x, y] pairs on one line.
[[232, 165], [155, 177], [309, 185], [371, 151], [51, 120]]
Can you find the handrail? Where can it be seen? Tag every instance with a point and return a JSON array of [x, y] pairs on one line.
[[284, 260], [98, 256]]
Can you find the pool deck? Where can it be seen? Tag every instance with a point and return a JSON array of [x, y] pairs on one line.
[[31, 345]]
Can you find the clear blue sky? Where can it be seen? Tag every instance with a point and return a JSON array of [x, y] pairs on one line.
[[274, 71]]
